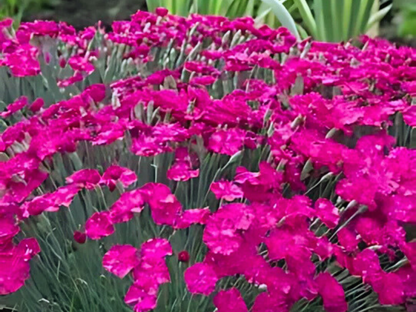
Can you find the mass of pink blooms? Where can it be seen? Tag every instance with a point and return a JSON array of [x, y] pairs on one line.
[[265, 217]]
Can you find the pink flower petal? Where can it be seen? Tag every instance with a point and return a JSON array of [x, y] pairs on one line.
[[226, 190], [332, 293], [230, 300], [99, 225], [128, 203], [120, 260], [87, 178], [117, 173], [142, 296], [327, 212], [156, 248], [8, 229], [200, 279], [192, 216]]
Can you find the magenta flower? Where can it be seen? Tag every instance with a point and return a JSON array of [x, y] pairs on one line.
[[192, 216], [410, 87], [19, 191], [6, 22], [22, 61], [116, 173], [155, 268], [165, 207], [64, 195], [348, 239], [201, 68], [79, 63], [95, 92], [222, 231], [39, 28], [375, 231], [142, 295], [13, 272], [409, 249], [14, 265], [147, 146], [401, 207], [293, 246], [409, 116], [152, 141], [149, 270], [77, 77], [324, 249], [259, 186], [87, 178], [327, 212], [99, 225], [367, 265], [408, 278], [8, 229], [28, 248], [203, 80], [120, 260], [182, 170], [226, 190], [230, 300], [227, 142], [389, 288], [332, 293], [351, 190], [156, 248], [200, 279], [38, 205], [15, 107], [36, 105], [128, 203], [109, 134]]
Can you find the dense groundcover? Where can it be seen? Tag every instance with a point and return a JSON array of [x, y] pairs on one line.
[[194, 164]]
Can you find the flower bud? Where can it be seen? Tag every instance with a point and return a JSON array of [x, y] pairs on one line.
[[183, 256], [62, 62], [80, 237], [162, 11]]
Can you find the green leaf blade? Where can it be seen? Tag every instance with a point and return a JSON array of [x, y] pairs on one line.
[[283, 16]]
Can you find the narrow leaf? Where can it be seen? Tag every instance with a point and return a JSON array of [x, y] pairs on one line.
[[250, 8], [152, 5], [303, 33], [306, 15], [321, 32], [236, 9], [347, 19], [355, 7], [283, 16], [337, 16], [378, 16], [364, 16]]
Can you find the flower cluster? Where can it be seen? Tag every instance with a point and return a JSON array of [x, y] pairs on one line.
[[321, 134]]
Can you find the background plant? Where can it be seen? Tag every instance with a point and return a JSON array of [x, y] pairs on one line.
[[405, 18], [331, 21], [17, 9], [312, 122]]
